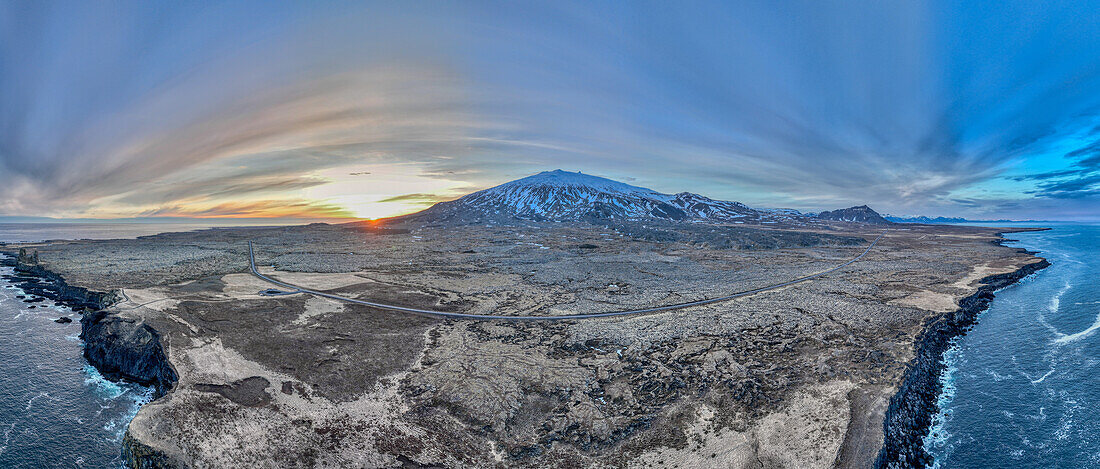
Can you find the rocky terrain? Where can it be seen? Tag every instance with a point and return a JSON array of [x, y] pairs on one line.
[[799, 377]]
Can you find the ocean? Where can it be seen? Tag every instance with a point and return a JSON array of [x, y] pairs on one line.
[[55, 409], [1022, 388], [34, 232]]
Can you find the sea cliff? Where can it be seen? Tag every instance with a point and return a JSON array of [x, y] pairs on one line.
[[119, 347], [909, 415]]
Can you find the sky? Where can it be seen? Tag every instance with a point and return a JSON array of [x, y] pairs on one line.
[[984, 110]]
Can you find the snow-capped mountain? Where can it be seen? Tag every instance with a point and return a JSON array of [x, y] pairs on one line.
[[559, 195], [697, 206], [563, 196]]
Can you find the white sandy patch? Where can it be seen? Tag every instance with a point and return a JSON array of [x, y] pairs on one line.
[[945, 299], [244, 286], [314, 281], [930, 301], [249, 286], [157, 299], [978, 273], [318, 306]]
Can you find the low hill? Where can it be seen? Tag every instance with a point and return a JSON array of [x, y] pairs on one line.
[[860, 214]]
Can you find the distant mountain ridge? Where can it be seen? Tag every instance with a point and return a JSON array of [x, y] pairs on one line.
[[936, 220], [566, 196]]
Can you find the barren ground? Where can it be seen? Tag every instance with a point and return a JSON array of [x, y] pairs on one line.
[[798, 377]]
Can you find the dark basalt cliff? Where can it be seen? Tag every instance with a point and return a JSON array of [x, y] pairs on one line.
[[126, 348], [32, 278], [140, 456], [909, 416], [121, 348]]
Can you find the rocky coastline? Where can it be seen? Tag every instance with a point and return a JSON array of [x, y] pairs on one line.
[[119, 347], [911, 409], [34, 279]]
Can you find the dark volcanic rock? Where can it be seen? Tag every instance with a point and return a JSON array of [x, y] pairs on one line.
[[63, 320], [910, 413], [125, 348], [724, 237], [39, 282], [860, 214], [140, 456], [250, 392], [119, 347]]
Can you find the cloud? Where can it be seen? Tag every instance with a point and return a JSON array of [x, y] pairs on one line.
[[1080, 181], [1047, 175], [1084, 186], [419, 199], [269, 142], [967, 203], [257, 209], [227, 107]]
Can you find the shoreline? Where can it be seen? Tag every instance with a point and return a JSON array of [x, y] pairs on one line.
[[119, 348], [909, 415]]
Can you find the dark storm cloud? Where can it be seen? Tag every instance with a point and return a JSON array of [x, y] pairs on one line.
[[1081, 187], [1081, 181]]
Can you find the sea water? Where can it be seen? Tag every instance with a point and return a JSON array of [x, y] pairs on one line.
[[1022, 389], [34, 232], [55, 409]]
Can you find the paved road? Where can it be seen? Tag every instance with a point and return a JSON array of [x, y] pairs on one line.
[[445, 314]]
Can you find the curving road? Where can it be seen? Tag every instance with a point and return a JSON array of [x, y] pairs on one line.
[[445, 314]]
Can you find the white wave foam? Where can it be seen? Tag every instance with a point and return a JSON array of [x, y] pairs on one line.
[[1056, 300], [137, 399], [110, 390], [1067, 338], [7, 438], [30, 402], [1042, 378], [938, 435], [1053, 307]]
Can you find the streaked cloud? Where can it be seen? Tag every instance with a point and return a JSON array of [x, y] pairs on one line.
[[420, 199], [367, 110], [255, 209]]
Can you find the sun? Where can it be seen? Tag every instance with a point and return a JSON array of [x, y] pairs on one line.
[[372, 191]]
